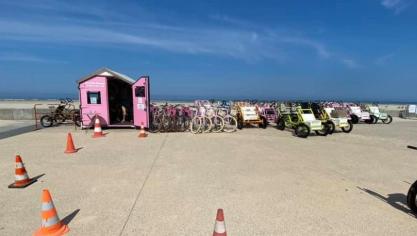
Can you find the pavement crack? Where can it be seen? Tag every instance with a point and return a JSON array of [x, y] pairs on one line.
[[144, 183]]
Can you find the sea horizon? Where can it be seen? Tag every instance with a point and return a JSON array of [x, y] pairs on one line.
[[187, 100]]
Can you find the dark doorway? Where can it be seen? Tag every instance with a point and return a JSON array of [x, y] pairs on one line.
[[120, 102]]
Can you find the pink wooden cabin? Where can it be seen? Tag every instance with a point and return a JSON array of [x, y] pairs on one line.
[[106, 93]]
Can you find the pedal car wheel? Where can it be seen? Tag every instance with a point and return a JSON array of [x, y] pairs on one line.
[[324, 131], [374, 119], [348, 128], [370, 121], [302, 130], [388, 120], [411, 198], [332, 127], [354, 119], [281, 124], [46, 121], [239, 123], [264, 123]]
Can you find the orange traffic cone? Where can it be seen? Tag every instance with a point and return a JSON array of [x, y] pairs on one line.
[[98, 133], [219, 226], [22, 177], [51, 225], [70, 145], [142, 132]]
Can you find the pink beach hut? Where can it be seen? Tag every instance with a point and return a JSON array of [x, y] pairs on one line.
[[116, 99]]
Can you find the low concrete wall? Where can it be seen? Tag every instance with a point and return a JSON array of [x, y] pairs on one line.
[[393, 113], [20, 114]]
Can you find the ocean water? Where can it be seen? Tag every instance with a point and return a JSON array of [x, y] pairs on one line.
[[188, 99]]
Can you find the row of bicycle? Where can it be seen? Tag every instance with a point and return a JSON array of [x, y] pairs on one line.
[[196, 119], [303, 118]]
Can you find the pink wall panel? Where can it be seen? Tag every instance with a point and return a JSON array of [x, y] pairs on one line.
[[141, 104], [95, 84]]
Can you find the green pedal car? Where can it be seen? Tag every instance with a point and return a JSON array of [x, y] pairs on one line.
[[336, 118], [302, 121], [377, 115]]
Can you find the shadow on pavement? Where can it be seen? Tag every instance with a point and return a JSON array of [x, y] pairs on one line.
[[396, 200], [17, 131], [67, 219]]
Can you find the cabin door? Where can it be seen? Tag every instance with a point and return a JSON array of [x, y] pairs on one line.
[[141, 102]]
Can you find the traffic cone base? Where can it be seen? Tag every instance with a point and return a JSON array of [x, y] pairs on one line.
[[24, 185], [142, 133], [58, 232], [22, 179], [99, 135]]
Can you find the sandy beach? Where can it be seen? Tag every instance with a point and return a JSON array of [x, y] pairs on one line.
[[267, 181]]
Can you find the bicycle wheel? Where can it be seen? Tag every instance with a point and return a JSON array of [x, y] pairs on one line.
[[165, 124], [218, 124], [46, 121], [230, 124], [206, 124], [195, 125], [186, 124], [155, 126]]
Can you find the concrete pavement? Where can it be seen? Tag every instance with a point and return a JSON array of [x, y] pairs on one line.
[[268, 182], [9, 128]]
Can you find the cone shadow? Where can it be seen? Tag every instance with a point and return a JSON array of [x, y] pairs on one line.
[[38, 177], [67, 219]]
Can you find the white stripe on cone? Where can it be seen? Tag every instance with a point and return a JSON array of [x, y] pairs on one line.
[[50, 221], [220, 227], [97, 126], [22, 177]]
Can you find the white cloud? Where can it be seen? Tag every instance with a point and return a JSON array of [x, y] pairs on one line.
[[235, 38], [23, 57], [382, 60], [350, 63], [396, 5], [238, 43]]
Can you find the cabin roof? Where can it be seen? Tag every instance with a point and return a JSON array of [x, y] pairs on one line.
[[106, 72]]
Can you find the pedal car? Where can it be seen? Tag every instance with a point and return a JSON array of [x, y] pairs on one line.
[[249, 115], [270, 114], [336, 116], [376, 114], [302, 121], [357, 114]]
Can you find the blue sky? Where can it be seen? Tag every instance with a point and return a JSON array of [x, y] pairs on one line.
[[356, 49]]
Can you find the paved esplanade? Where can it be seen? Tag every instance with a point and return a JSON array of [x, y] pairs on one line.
[[267, 181]]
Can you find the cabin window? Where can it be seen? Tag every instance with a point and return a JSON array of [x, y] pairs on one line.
[[140, 91], [93, 98]]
